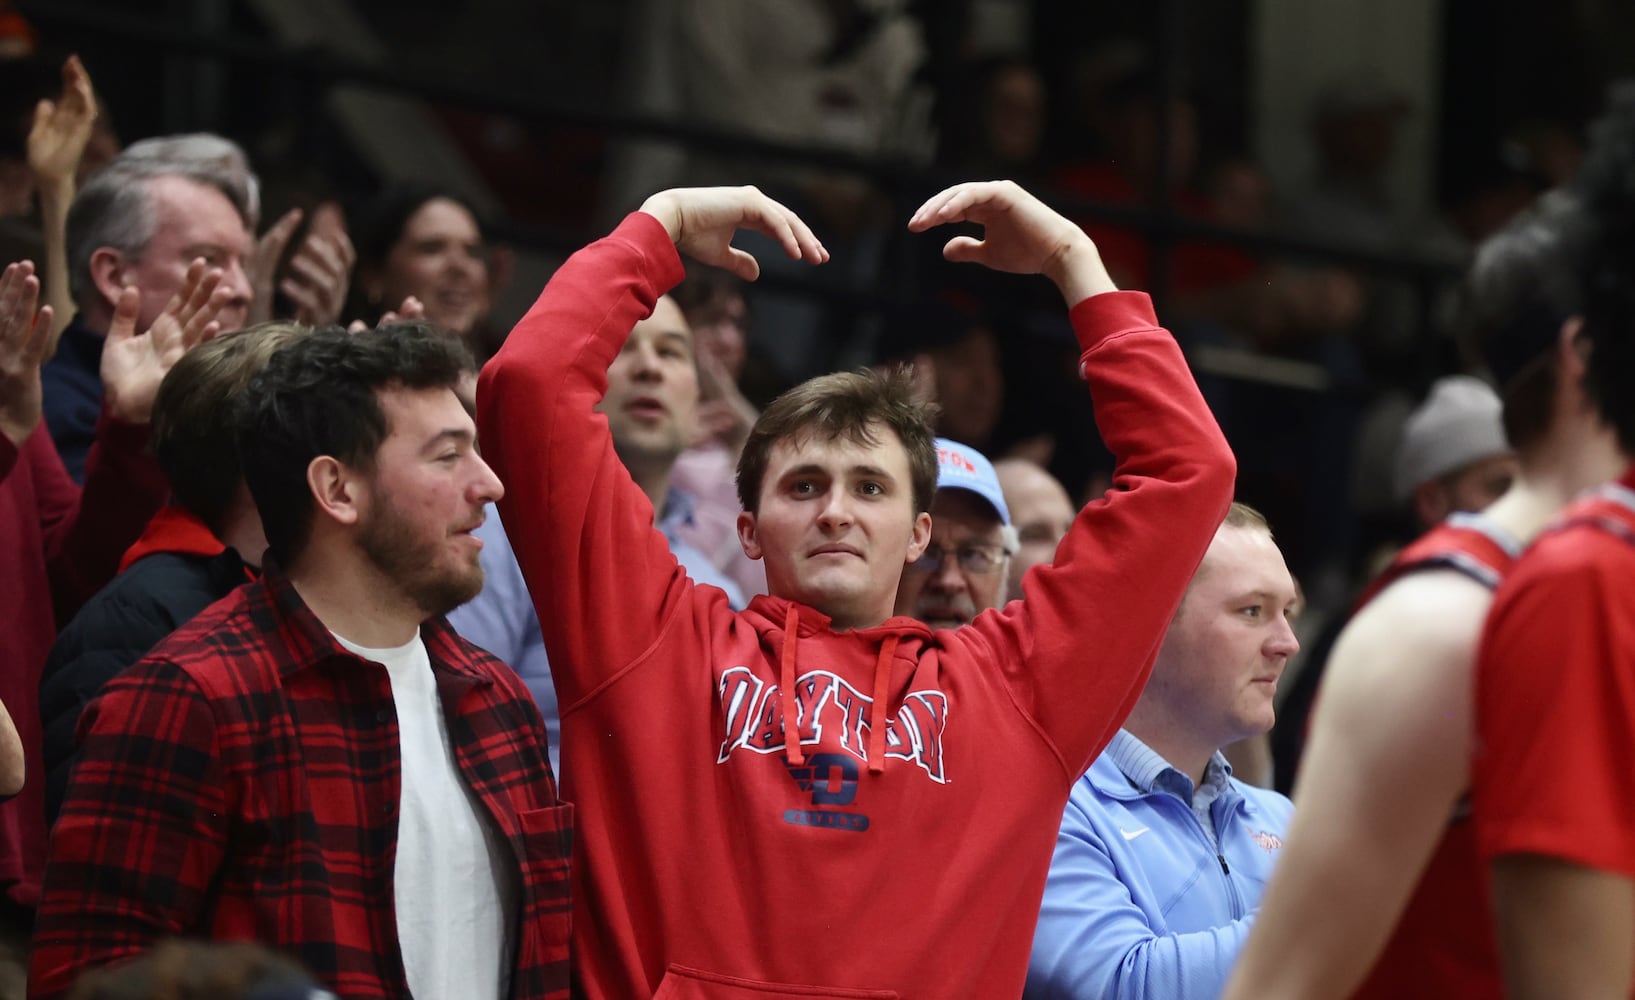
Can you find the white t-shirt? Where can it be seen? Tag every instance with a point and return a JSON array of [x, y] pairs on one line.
[[455, 893]]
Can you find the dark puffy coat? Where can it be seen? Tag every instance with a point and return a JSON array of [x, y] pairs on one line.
[[158, 594]]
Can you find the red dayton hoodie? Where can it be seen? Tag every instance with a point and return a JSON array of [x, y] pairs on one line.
[[900, 849]]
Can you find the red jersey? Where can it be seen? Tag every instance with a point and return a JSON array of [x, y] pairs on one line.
[[1443, 944], [1555, 694]]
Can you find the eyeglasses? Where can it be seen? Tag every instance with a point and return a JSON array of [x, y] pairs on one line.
[[977, 559]]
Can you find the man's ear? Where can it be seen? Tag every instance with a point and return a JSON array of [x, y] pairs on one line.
[[337, 490], [1431, 503], [920, 536], [109, 273], [1573, 348], [748, 535]]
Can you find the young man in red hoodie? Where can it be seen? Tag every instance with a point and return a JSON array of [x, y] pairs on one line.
[[811, 797]]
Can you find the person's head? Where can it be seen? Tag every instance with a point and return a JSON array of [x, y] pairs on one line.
[[1605, 184], [954, 334], [199, 970], [356, 447], [1041, 510], [652, 393], [713, 302], [836, 479], [429, 243], [1355, 120], [1453, 455], [1215, 677], [193, 429], [1524, 302], [1011, 97], [140, 223], [965, 569]]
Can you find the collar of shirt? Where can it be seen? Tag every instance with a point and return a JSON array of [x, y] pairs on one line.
[[677, 513], [1149, 772]]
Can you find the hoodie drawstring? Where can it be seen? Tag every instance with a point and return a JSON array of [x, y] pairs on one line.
[[791, 718], [877, 711], [876, 752]]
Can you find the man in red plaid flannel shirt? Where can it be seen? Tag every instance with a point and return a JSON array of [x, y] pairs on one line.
[[317, 761]]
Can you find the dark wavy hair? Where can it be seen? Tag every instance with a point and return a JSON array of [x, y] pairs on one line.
[[321, 396]]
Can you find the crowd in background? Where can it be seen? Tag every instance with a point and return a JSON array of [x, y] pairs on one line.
[[165, 293]]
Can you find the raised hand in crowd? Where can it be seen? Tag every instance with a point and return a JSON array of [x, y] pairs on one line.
[[56, 145], [412, 308], [702, 221], [724, 414], [24, 333], [133, 364], [1021, 235], [318, 274]]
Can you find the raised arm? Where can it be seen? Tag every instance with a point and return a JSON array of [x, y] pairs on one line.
[[25, 332], [602, 579], [87, 531], [56, 144], [1373, 800], [1078, 650]]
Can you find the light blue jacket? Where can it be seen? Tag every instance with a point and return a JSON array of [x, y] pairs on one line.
[[1142, 900]]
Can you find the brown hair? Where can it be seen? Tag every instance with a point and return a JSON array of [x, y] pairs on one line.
[[850, 405], [193, 429]]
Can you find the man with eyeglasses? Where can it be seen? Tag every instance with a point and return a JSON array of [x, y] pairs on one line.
[[963, 572]]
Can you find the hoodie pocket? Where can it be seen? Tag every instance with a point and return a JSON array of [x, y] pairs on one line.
[[682, 983]]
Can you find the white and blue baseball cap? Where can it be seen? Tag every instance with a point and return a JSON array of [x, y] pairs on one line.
[[961, 467]]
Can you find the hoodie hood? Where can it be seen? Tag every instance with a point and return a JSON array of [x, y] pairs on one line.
[[785, 624], [174, 529]]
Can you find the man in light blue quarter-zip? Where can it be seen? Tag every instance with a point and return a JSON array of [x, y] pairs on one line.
[[1163, 855]]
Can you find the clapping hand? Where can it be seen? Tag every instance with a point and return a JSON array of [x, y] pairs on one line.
[[24, 333], [133, 364]]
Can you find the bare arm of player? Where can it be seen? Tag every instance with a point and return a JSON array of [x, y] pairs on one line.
[[1372, 799], [1564, 930]]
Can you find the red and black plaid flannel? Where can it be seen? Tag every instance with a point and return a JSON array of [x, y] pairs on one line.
[[242, 782]]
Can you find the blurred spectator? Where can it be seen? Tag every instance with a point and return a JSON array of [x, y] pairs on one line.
[[713, 304], [196, 551], [64, 543], [194, 970], [414, 843], [139, 224], [1041, 511], [1135, 906], [966, 568], [953, 339], [651, 406], [997, 129], [428, 243], [1454, 456]]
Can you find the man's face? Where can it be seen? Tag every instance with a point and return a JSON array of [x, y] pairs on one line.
[[836, 525], [441, 260], [652, 390], [192, 220], [426, 497], [720, 327], [1218, 667], [969, 576], [1041, 512]]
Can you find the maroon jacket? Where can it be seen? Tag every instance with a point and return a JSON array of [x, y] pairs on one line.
[[62, 544]]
